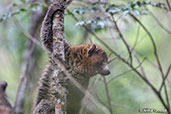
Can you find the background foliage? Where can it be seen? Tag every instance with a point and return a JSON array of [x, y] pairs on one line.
[[127, 91]]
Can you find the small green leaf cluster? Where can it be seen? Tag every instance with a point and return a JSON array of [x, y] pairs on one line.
[[136, 7], [19, 8], [95, 24]]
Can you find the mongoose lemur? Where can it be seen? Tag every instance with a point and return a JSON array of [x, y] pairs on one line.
[[82, 62]]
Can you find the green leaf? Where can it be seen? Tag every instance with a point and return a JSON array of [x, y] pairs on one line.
[[78, 11], [136, 12], [19, 4], [139, 3], [113, 10], [95, 24], [126, 12], [23, 9], [100, 4], [80, 23]]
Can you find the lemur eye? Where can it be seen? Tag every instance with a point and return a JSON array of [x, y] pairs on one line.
[[104, 57]]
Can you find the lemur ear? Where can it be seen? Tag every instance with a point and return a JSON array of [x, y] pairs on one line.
[[91, 50]]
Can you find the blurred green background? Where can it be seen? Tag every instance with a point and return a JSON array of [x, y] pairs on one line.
[[128, 92]]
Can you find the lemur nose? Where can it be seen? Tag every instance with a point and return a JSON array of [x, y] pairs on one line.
[[107, 72]]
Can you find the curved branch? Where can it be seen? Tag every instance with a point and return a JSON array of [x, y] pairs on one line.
[[122, 38]]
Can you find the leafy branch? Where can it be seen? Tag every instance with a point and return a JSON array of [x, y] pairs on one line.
[[23, 9], [137, 8]]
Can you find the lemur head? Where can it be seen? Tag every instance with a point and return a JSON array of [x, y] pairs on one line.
[[90, 60], [98, 59]]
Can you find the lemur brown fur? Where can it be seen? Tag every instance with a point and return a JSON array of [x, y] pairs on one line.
[[82, 62]]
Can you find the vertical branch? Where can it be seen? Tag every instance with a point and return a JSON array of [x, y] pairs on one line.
[[58, 50], [27, 63], [167, 1], [108, 96], [58, 30]]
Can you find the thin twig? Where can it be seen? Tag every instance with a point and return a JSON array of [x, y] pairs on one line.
[[100, 100], [122, 38], [148, 60], [107, 95], [136, 39], [26, 33], [134, 53], [141, 67], [126, 72], [19, 102], [159, 23], [167, 97], [167, 74], [111, 60]]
